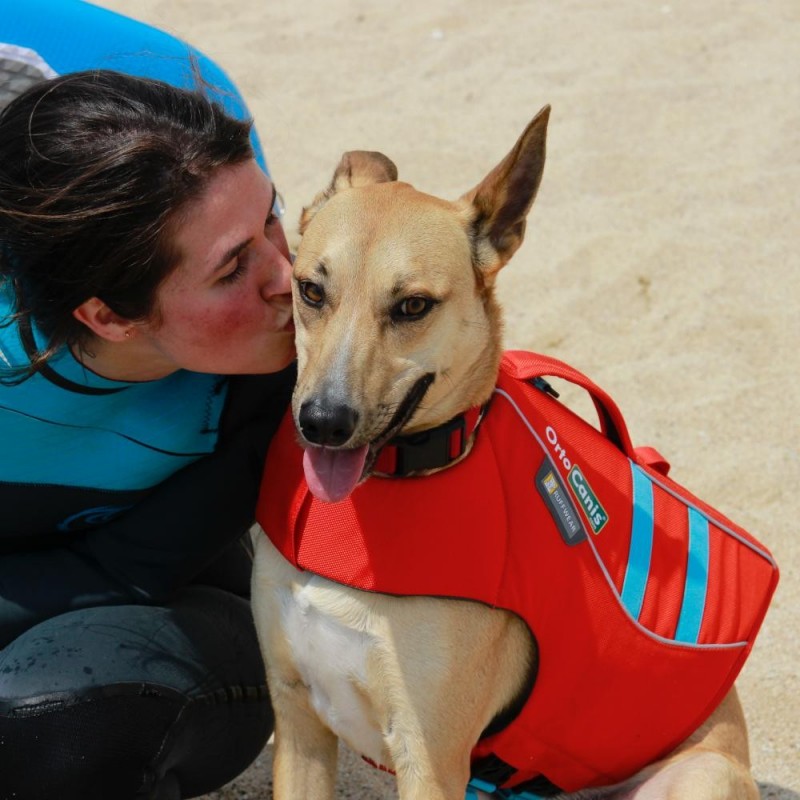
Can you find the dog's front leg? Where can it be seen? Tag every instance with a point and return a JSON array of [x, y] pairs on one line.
[[305, 750], [423, 783], [445, 668]]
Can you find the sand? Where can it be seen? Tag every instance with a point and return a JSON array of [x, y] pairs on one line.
[[662, 254]]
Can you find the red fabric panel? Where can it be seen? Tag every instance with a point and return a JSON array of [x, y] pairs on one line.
[[373, 538], [609, 697], [739, 581], [664, 596]]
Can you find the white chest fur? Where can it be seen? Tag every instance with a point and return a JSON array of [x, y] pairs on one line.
[[330, 642]]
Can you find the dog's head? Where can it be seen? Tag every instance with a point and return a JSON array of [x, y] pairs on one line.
[[397, 326]]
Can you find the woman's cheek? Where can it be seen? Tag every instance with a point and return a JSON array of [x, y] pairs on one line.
[[222, 324], [204, 322]]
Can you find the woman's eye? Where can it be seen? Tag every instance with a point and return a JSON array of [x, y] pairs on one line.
[[235, 273], [412, 308], [312, 293]]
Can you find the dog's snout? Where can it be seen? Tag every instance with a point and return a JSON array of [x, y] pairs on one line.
[[327, 424]]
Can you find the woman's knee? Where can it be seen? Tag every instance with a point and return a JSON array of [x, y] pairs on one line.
[[135, 696], [201, 642]]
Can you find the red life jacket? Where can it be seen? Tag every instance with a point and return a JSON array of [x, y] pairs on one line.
[[643, 600]]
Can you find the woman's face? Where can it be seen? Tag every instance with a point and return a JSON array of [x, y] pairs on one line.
[[227, 306]]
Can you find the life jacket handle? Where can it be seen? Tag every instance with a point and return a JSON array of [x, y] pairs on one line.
[[526, 366]]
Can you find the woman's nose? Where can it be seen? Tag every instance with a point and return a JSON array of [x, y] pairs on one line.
[[278, 275]]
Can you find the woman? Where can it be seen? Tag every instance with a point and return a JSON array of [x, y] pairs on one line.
[[142, 262]]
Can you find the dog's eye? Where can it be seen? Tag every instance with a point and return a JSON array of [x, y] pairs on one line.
[[312, 293], [412, 308]]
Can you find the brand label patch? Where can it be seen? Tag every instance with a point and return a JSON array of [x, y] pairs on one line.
[[559, 504], [595, 513]]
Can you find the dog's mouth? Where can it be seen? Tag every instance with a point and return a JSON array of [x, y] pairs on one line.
[[333, 473]]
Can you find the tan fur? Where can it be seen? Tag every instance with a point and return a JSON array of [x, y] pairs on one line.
[[437, 671]]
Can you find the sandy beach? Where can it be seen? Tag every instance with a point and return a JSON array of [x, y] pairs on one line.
[[661, 257]]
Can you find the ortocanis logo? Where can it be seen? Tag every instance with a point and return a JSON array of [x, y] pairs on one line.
[[587, 499], [595, 513]]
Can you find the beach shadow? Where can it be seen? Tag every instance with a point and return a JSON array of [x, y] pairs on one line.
[[771, 792]]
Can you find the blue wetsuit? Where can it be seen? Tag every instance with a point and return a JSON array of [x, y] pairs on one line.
[[114, 441], [129, 665]]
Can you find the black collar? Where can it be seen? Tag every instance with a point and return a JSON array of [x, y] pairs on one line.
[[431, 449]]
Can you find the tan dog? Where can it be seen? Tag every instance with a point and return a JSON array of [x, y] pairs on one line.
[[398, 330]]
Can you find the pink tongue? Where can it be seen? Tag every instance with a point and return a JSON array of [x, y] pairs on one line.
[[333, 474]]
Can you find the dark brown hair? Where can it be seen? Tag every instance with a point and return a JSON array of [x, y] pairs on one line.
[[94, 168]]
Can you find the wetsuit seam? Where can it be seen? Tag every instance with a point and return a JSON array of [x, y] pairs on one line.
[[233, 694], [59, 701]]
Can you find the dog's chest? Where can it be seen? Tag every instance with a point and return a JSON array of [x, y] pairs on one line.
[[332, 657]]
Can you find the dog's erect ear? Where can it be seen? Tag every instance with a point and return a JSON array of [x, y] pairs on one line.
[[357, 168], [502, 200]]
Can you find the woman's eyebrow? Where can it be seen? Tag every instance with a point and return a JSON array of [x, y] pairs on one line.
[[231, 254]]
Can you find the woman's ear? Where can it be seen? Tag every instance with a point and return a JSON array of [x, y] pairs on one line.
[[102, 321]]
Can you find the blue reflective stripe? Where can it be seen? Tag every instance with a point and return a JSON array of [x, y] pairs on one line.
[[484, 786], [502, 794], [694, 593], [638, 568]]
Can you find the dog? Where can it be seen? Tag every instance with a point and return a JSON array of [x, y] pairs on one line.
[[399, 331]]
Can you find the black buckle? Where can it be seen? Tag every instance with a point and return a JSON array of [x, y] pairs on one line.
[[543, 386], [492, 769], [429, 449]]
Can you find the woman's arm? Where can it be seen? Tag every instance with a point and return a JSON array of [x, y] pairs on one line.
[[166, 539]]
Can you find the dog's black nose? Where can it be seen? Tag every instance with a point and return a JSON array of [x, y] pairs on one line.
[[327, 424]]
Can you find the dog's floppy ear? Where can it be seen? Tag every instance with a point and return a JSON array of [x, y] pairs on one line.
[[357, 168], [502, 200]]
